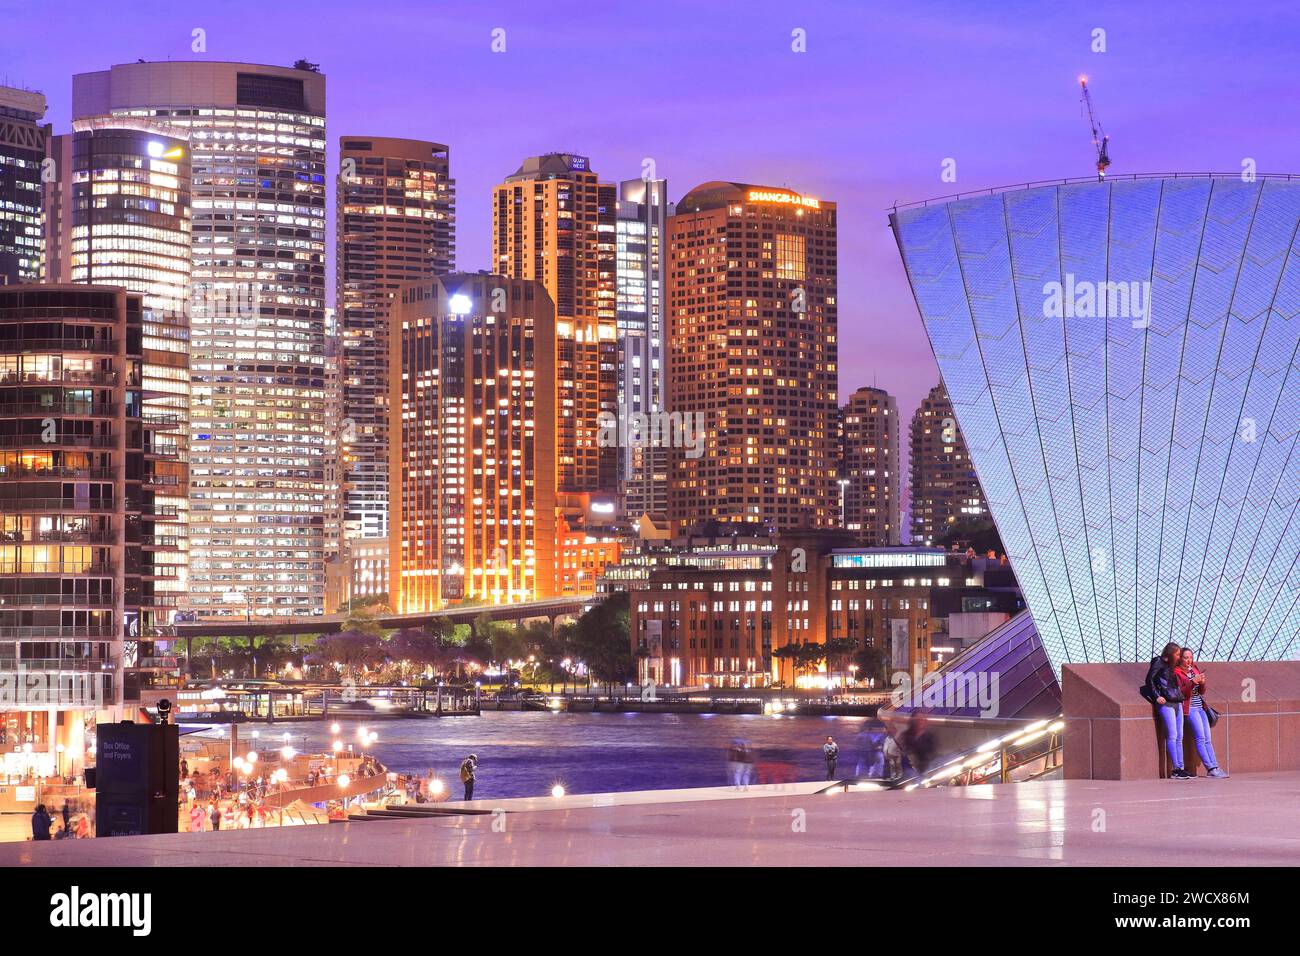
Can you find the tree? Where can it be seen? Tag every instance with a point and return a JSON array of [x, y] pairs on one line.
[[978, 534], [350, 651], [602, 640], [873, 663]]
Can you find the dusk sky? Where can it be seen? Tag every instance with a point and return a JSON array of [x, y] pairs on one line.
[[884, 94]]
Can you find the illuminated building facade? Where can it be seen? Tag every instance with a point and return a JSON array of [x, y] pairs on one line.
[[720, 615], [472, 443], [395, 223], [642, 229], [869, 472], [81, 521], [554, 222], [22, 150], [945, 488], [752, 354], [259, 442], [1122, 358], [118, 214]]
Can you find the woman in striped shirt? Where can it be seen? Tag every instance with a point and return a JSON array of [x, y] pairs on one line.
[[1191, 680]]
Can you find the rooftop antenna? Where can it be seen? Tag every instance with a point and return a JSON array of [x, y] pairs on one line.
[[1099, 138]]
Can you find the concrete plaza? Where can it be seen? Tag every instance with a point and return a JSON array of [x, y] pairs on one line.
[[1251, 819]]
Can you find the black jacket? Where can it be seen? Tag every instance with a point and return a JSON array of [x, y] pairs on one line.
[[1161, 682]]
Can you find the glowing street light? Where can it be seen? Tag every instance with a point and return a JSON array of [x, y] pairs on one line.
[[557, 791]]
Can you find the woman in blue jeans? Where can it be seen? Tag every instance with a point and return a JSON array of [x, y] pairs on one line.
[[1191, 681], [1162, 690]]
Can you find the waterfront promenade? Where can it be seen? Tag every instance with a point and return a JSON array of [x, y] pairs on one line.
[[1247, 820]]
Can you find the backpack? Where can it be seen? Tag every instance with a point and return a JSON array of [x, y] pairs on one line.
[[466, 772]]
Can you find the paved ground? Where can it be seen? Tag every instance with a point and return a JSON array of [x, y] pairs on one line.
[[1250, 819]]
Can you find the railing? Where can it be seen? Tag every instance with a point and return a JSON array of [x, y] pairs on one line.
[[103, 346], [79, 665], [71, 409], [56, 504], [158, 541], [58, 631], [103, 474], [1024, 754], [56, 600], [59, 537], [56, 567], [67, 377], [168, 663], [61, 440]]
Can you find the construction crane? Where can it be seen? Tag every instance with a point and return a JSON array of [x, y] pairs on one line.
[[1099, 139]]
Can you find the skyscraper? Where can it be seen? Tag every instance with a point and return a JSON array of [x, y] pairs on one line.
[[472, 442], [80, 519], [118, 214], [643, 211], [22, 150], [554, 222], [258, 415], [1121, 356], [870, 477], [395, 223], [752, 356], [945, 489]]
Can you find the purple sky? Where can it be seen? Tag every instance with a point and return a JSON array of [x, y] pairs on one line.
[[712, 90]]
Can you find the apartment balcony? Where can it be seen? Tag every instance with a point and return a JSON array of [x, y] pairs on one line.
[[86, 474], [57, 568], [78, 505], [56, 600], [159, 542], [66, 377], [61, 440], [106, 632], [59, 537], [66, 410], [99, 346]]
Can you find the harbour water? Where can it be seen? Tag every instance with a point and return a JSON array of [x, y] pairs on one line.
[[524, 754]]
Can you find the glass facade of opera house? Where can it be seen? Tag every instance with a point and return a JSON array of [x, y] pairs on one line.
[[1122, 360]]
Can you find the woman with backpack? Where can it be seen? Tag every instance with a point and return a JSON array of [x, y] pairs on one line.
[[1161, 688]]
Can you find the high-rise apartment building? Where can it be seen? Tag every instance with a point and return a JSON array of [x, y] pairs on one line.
[[472, 442], [395, 223], [554, 222], [118, 214], [82, 519], [752, 355], [945, 488], [22, 150], [258, 496], [642, 229], [869, 474]]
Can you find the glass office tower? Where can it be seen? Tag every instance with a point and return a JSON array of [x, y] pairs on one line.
[[1122, 359], [260, 446]]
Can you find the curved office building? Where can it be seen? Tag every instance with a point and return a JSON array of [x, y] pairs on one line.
[[1122, 360]]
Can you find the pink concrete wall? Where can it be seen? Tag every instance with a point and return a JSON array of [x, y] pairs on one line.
[[1111, 732]]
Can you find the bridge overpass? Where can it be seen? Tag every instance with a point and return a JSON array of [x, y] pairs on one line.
[[550, 609]]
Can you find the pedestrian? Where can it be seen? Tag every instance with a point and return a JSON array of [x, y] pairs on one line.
[[831, 750], [214, 814], [893, 758], [41, 823], [66, 814], [83, 827], [185, 768], [1163, 691], [196, 818], [467, 768]]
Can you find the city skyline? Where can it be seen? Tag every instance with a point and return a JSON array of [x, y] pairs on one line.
[[934, 86]]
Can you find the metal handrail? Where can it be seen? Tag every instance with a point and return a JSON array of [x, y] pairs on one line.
[[69, 409], [56, 504], [1075, 180]]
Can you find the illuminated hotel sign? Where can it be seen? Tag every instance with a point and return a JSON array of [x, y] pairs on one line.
[[789, 199]]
